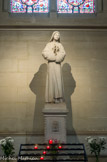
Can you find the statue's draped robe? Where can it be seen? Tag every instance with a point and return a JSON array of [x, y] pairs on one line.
[[54, 81]]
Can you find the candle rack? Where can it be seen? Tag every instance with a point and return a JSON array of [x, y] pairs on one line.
[[55, 152]]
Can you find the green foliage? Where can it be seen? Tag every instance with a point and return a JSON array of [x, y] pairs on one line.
[[96, 145], [7, 146]]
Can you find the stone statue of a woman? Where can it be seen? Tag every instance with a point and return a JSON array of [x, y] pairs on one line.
[[54, 53]]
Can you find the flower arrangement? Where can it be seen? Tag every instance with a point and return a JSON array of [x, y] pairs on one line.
[[96, 145], [7, 146]]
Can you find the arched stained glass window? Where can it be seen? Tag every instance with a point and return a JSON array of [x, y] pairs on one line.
[[29, 6], [75, 6]]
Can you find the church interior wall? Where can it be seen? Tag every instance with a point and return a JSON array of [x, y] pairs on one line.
[[23, 73]]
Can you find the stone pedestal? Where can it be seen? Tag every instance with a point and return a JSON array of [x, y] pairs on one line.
[[55, 121]]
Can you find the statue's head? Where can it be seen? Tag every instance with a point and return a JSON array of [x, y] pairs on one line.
[[55, 36]]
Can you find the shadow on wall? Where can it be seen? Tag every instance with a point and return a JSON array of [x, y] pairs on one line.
[[69, 87], [37, 86]]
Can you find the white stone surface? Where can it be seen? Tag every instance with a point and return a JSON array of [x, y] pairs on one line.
[[55, 108], [54, 53], [55, 121]]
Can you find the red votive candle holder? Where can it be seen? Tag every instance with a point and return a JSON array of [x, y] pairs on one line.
[[41, 158], [48, 147], [36, 147], [44, 152], [60, 147], [50, 141]]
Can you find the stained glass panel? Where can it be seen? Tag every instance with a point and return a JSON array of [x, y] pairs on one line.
[[29, 6], [75, 6]]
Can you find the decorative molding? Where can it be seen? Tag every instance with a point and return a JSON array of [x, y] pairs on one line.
[[88, 133], [21, 134], [62, 27], [81, 133]]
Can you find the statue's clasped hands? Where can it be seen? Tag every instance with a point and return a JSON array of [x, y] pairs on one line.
[[55, 49]]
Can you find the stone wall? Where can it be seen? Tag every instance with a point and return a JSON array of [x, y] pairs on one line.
[[23, 75], [23, 72]]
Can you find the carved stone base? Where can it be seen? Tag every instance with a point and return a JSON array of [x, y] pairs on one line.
[[55, 121]]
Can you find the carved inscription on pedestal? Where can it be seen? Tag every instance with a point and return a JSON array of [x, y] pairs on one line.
[[55, 126]]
